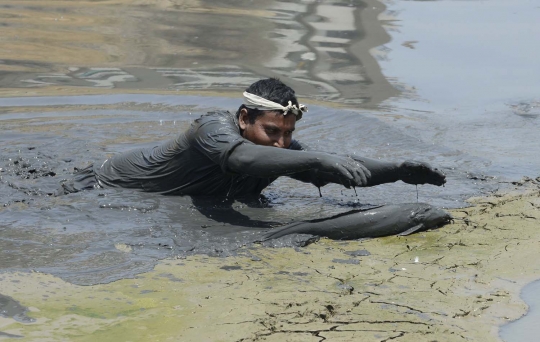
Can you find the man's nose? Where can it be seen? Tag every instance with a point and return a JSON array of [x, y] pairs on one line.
[[280, 142]]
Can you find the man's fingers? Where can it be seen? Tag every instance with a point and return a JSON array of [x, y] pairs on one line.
[[346, 182], [366, 173], [360, 172], [348, 171], [357, 175], [361, 176], [435, 177], [440, 177], [414, 172], [345, 173]]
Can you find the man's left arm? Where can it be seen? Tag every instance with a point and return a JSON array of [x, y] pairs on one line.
[[311, 176], [411, 172]]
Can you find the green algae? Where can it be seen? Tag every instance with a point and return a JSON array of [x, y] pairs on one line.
[[459, 282]]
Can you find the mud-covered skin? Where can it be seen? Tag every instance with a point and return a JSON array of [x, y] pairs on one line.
[[398, 219], [321, 168], [213, 158]]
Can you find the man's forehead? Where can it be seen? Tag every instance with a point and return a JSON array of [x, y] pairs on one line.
[[277, 118]]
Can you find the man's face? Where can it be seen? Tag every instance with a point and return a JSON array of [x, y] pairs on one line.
[[270, 129]]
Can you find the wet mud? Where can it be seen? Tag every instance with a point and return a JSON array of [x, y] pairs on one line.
[[10, 308], [384, 79], [109, 234], [452, 284]]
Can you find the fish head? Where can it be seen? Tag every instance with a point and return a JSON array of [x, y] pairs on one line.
[[429, 216]]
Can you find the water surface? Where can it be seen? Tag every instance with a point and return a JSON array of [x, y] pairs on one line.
[[526, 328], [454, 83]]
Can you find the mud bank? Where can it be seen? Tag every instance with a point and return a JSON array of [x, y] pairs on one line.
[[453, 284]]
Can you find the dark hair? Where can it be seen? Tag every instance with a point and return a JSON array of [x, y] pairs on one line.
[[271, 89]]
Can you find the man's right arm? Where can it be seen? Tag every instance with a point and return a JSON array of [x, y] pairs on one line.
[[266, 162]]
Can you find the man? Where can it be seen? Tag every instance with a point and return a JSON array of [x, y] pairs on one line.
[[228, 155]]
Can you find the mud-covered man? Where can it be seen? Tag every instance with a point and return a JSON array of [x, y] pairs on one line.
[[223, 154]]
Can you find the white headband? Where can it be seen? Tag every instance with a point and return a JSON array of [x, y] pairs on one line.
[[256, 102]]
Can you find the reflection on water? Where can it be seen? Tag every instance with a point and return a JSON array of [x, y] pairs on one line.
[[98, 77], [321, 49]]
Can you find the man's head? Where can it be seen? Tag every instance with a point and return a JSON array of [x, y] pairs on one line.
[[269, 127]]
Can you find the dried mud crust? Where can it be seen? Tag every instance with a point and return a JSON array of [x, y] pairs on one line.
[[458, 283]]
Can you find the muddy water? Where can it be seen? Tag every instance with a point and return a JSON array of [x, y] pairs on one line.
[[469, 70], [321, 49], [525, 329], [153, 47], [441, 81]]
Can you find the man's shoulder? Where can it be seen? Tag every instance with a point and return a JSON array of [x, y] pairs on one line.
[[222, 122], [215, 134], [223, 117]]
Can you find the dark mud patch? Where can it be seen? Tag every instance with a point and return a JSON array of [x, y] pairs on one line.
[[104, 235], [530, 110], [231, 268], [360, 252], [3, 334], [346, 261], [10, 308]]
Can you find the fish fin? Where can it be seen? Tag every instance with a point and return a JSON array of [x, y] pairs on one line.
[[276, 233], [412, 230]]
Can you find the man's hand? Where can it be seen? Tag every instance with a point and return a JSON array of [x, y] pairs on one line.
[[351, 172], [415, 172]]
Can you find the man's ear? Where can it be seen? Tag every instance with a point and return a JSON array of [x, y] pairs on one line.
[[243, 119]]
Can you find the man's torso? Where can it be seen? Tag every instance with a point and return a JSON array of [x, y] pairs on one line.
[[194, 163]]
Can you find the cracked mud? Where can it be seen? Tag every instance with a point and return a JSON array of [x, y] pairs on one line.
[[459, 283]]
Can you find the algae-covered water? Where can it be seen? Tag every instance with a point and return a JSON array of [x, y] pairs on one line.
[[454, 83]]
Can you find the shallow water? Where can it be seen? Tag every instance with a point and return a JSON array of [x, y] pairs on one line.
[[454, 83], [525, 329], [469, 70], [320, 49]]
